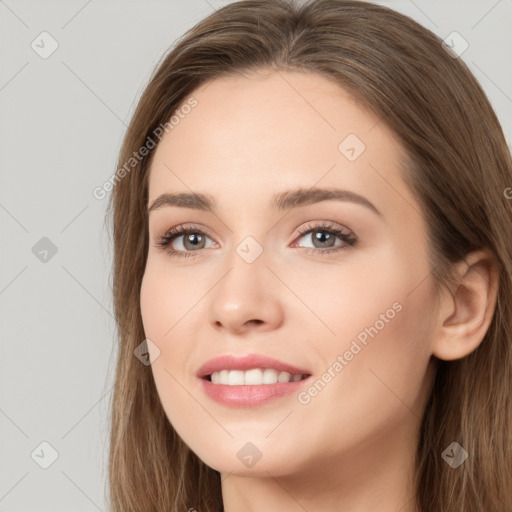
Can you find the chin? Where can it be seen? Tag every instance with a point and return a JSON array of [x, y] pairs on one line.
[[249, 461]]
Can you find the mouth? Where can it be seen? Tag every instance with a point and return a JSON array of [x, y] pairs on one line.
[[254, 377], [250, 380]]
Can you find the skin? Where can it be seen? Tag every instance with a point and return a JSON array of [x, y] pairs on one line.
[[352, 446]]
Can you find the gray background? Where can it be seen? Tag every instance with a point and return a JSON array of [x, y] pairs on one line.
[[62, 120]]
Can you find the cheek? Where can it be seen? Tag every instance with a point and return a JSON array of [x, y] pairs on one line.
[[172, 301], [163, 311], [154, 318], [383, 350], [165, 298], [156, 306], [379, 313]]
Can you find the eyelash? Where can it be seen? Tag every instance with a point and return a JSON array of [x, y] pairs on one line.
[[349, 239]]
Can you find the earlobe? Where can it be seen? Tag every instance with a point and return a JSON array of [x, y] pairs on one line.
[[466, 309]]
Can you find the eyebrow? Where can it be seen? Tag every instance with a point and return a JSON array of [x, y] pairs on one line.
[[286, 200]]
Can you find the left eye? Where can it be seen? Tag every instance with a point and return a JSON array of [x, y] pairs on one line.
[[322, 238]]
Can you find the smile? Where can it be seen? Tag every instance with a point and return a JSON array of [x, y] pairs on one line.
[[256, 376]]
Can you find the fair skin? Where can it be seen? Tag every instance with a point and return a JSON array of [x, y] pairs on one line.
[[352, 446]]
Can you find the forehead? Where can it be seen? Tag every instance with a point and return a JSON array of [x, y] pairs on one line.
[[275, 130]]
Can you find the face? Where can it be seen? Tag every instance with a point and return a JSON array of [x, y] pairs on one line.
[[337, 287]]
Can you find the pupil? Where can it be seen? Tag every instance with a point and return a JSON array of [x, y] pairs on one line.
[[189, 239], [322, 237]]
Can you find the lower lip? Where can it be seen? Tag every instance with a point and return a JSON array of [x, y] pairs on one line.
[[249, 396]]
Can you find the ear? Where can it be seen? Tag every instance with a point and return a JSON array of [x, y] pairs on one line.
[[467, 308]]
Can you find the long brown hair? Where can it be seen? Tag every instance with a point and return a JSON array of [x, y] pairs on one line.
[[459, 168]]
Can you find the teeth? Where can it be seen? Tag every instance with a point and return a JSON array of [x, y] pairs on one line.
[[256, 377]]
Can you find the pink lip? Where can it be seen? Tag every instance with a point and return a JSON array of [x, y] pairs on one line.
[[248, 396], [246, 363]]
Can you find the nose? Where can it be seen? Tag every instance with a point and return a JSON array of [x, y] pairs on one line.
[[247, 298]]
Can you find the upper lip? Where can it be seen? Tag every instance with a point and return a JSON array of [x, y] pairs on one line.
[[247, 362]]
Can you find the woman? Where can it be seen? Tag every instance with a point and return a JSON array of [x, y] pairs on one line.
[[312, 261]]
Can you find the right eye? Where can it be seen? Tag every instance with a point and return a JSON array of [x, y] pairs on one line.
[[192, 241]]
